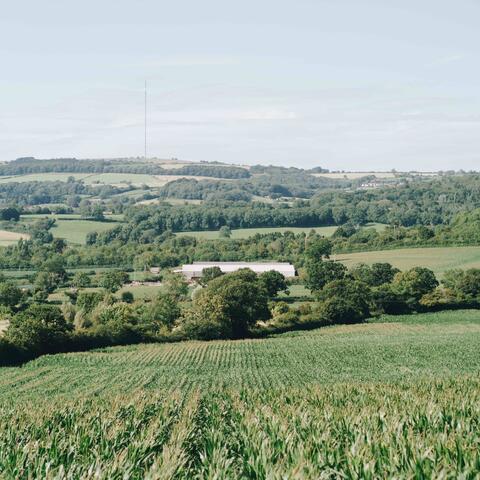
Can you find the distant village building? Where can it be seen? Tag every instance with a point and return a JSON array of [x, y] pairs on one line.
[[195, 270]]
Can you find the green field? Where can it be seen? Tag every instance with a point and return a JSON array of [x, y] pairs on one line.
[[437, 259], [72, 227], [250, 232], [395, 398]]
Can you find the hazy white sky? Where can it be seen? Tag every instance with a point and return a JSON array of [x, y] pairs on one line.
[[346, 84]]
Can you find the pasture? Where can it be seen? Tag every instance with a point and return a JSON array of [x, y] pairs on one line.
[[438, 259], [389, 399], [250, 232], [73, 228]]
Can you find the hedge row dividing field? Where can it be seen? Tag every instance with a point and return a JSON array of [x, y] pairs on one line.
[[395, 398]]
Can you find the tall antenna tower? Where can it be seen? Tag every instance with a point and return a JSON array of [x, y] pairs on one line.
[[145, 120]]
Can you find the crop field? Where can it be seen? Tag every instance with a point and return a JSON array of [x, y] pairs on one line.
[[10, 238], [395, 398], [250, 232], [437, 259]]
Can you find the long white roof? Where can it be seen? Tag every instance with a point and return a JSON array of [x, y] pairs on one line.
[[259, 267]]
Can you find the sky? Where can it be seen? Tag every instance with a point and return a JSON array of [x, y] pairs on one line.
[[343, 84]]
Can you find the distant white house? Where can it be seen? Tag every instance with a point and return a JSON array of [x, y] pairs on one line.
[[195, 269]]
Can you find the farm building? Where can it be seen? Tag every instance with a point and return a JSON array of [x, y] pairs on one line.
[[195, 269]]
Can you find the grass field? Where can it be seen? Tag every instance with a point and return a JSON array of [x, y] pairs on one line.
[[10, 238], [249, 232], [75, 231], [398, 398], [72, 227], [437, 259]]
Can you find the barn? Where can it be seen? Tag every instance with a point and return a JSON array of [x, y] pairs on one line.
[[194, 270]]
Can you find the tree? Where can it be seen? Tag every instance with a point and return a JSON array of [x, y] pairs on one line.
[[374, 275], [175, 284], [413, 284], [39, 329], [127, 297], [209, 274], [345, 301], [9, 214], [87, 301], [321, 272], [113, 280], [225, 232], [273, 282], [119, 321], [163, 311], [44, 284], [81, 280], [10, 294], [345, 231], [465, 284], [319, 248], [243, 301], [208, 319], [55, 265]]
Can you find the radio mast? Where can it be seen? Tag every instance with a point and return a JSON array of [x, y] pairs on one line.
[[145, 120]]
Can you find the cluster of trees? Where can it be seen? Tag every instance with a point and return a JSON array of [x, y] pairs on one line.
[[290, 184], [226, 307], [39, 193], [28, 165], [144, 247], [232, 306]]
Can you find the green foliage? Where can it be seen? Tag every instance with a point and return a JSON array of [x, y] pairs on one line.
[[161, 313], [464, 283], [10, 294], [225, 232], [374, 275], [413, 284], [209, 274], [250, 409], [112, 280], [39, 329], [345, 301], [81, 280], [273, 282], [208, 318], [238, 299], [87, 301], [127, 297], [320, 272]]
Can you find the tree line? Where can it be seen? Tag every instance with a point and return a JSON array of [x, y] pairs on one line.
[[28, 165]]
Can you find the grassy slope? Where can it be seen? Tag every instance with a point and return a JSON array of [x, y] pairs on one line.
[[397, 398], [438, 259]]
